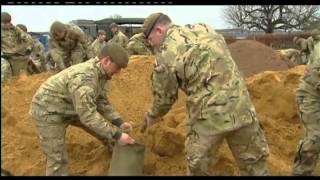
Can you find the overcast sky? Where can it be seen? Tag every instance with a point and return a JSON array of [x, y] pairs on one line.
[[39, 18]]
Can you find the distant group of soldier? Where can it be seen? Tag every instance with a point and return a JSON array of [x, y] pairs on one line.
[[192, 58], [68, 45]]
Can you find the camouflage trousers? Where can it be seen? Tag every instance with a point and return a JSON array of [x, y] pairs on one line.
[[309, 147], [248, 146], [6, 71], [18, 64], [64, 59], [52, 130]]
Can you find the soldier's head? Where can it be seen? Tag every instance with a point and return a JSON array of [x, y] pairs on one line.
[[5, 20], [58, 30], [101, 35], [155, 28], [113, 58], [23, 27], [114, 27]]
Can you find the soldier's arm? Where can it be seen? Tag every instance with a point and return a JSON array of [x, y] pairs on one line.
[[25, 37], [106, 109], [164, 88], [82, 89]]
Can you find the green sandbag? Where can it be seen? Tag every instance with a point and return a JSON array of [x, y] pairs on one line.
[[127, 160]]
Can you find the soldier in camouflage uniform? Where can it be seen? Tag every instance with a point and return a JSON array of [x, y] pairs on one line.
[[99, 43], [138, 45], [308, 100], [68, 45], [16, 45], [37, 58], [118, 36], [195, 59], [291, 57], [77, 96], [305, 47]]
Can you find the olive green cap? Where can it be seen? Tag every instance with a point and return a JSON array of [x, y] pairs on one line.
[[57, 27], [149, 22], [5, 17], [101, 32], [117, 53], [113, 25], [23, 27]]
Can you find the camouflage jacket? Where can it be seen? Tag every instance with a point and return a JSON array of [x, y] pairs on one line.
[[310, 82], [119, 38], [138, 45], [75, 38], [96, 46], [80, 91], [37, 50], [196, 59], [15, 41]]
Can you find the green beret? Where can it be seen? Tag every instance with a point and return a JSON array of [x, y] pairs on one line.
[[5, 17], [117, 53], [57, 27], [22, 27], [113, 25], [149, 22]]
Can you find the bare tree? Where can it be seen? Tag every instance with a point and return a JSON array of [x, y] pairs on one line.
[[271, 17]]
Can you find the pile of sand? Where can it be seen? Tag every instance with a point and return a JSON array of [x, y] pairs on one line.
[[253, 57], [272, 93]]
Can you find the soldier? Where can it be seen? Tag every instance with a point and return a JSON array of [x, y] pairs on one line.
[[291, 57], [138, 45], [68, 45], [16, 45], [37, 62], [308, 100], [305, 47], [195, 58], [77, 96], [99, 43], [118, 36]]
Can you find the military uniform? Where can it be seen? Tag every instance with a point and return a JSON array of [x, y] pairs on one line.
[[119, 38], [293, 57], [305, 46], [16, 47], [76, 96], [6, 71], [97, 46], [37, 57], [196, 59], [74, 49], [308, 100], [138, 45]]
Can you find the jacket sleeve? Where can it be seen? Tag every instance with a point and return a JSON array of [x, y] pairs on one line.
[[106, 109], [82, 89], [164, 87]]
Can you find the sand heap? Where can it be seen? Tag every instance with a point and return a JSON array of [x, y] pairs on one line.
[[272, 93], [253, 57]]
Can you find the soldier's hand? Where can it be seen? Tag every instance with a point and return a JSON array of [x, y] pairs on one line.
[[126, 127], [125, 139]]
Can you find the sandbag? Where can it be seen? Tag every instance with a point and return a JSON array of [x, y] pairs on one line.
[[127, 160]]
